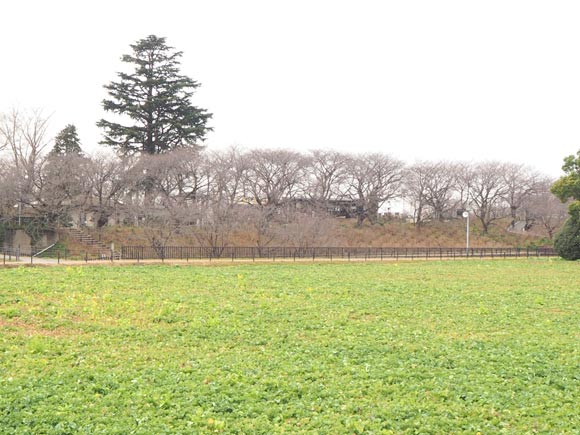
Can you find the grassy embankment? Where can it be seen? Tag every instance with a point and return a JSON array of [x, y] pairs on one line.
[[409, 348], [342, 232]]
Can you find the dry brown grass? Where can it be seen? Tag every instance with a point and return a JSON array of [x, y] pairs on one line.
[[342, 232]]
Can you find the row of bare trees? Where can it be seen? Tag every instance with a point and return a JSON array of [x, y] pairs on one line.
[[490, 190], [216, 191]]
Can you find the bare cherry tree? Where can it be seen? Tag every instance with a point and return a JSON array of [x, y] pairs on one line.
[[161, 224], [193, 176], [486, 187], [464, 172], [215, 224], [9, 196], [227, 171], [414, 188], [178, 176], [372, 180], [521, 182], [430, 188], [107, 177], [544, 210], [58, 187], [273, 176], [24, 135], [258, 223], [441, 187], [326, 174]]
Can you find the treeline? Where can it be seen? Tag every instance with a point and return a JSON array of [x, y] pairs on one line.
[[215, 190]]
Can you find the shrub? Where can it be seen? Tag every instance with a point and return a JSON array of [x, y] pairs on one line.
[[567, 241]]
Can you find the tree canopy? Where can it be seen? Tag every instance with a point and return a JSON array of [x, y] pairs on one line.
[[154, 101], [568, 186], [67, 142], [567, 242]]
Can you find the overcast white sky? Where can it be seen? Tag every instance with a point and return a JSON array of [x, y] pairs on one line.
[[460, 80]]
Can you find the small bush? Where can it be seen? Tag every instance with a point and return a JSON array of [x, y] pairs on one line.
[[567, 242]]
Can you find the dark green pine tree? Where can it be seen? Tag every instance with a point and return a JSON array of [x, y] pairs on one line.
[[67, 142], [155, 101]]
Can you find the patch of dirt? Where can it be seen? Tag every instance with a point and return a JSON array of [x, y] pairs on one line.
[[30, 330]]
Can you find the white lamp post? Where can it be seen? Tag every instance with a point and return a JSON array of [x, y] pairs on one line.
[[466, 216]]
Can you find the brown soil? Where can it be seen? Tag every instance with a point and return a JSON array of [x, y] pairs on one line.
[[343, 232]]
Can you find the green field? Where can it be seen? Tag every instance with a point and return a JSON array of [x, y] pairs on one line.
[[490, 347]]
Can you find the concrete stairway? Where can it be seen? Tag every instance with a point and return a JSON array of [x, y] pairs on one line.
[[92, 246]]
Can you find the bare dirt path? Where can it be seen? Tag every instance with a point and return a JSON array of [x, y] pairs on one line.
[[35, 260]]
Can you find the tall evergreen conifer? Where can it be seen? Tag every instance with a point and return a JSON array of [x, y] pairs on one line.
[[67, 142], [154, 103]]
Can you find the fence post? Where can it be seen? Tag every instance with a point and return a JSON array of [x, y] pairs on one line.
[[86, 257], [57, 257]]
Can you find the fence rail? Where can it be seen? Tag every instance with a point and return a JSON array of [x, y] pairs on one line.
[[9, 254], [276, 252], [282, 252]]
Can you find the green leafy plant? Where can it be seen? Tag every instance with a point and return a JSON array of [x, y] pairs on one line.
[[567, 241], [361, 348]]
